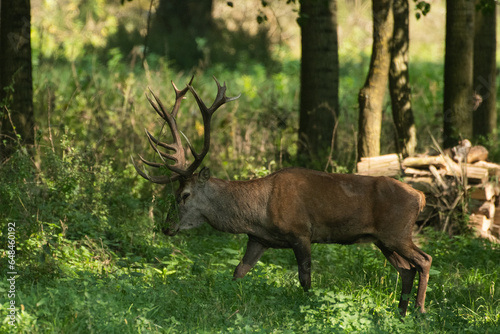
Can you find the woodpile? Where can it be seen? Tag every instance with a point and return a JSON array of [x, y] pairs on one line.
[[457, 182]]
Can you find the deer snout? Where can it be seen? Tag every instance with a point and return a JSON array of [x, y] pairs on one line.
[[173, 226]]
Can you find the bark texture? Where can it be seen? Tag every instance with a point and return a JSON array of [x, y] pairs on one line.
[[371, 96], [319, 80], [458, 91], [399, 81], [485, 42], [16, 92]]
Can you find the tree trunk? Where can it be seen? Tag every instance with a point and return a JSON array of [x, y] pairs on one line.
[[16, 91], [177, 28], [458, 64], [319, 80], [399, 81], [485, 117], [371, 96]]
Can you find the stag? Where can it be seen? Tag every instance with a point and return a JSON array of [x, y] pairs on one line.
[[293, 207]]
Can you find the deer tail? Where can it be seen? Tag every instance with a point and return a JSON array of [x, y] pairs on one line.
[[421, 200]]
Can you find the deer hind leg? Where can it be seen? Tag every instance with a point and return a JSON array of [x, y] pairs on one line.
[[425, 266], [407, 272], [252, 254], [302, 250], [422, 263]]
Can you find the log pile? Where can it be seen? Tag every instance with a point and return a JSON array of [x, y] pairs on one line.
[[457, 182]]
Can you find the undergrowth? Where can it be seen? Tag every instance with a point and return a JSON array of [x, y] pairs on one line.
[[90, 260]]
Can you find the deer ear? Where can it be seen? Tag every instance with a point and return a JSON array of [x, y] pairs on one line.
[[204, 175]]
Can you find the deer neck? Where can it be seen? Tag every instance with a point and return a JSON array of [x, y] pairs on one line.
[[236, 206]]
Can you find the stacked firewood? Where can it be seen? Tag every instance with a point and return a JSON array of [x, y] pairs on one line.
[[456, 182]]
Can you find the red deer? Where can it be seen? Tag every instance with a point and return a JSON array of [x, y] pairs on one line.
[[293, 207]]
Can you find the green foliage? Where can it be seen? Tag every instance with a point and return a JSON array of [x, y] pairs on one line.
[[70, 198], [67, 28], [488, 6], [422, 8]]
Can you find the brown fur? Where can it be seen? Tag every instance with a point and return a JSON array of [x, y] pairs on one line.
[[295, 207]]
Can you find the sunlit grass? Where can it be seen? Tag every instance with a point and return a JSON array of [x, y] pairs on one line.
[[189, 290]]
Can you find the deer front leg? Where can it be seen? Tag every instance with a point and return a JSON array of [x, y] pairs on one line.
[[302, 250], [252, 254]]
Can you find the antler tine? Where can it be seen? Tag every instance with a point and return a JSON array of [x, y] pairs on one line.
[[149, 163], [178, 156], [155, 179], [207, 113], [155, 142], [220, 99], [160, 110], [179, 96]]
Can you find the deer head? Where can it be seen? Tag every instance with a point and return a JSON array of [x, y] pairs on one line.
[[173, 155]]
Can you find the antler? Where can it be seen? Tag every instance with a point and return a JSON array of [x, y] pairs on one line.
[[178, 155]]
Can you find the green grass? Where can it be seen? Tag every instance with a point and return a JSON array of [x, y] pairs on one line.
[[186, 286]]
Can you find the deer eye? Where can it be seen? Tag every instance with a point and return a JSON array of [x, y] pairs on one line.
[[182, 197]]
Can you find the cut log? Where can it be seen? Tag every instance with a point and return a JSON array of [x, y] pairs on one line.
[[423, 184], [438, 177], [424, 161], [483, 225], [381, 158], [384, 165], [480, 222], [493, 169], [487, 209], [416, 172], [489, 236], [474, 174], [477, 174], [495, 230], [477, 153], [496, 219], [485, 193]]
